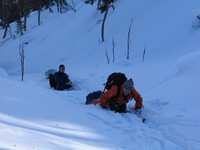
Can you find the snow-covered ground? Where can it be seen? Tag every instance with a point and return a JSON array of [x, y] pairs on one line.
[[35, 117]]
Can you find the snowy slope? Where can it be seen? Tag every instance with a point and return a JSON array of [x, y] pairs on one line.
[[32, 116]]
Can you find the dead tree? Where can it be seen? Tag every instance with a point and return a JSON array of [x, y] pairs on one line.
[[113, 49], [129, 41], [5, 17], [22, 58], [107, 57], [143, 54], [72, 6], [39, 11], [104, 20]]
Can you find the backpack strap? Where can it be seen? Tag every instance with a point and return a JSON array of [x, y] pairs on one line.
[[114, 98], [113, 101], [118, 91]]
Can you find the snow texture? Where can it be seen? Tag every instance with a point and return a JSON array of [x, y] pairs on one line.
[[35, 117]]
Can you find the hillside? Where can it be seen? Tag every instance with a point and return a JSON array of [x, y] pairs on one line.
[[33, 116]]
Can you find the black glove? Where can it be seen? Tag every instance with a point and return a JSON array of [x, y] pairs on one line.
[[138, 109]]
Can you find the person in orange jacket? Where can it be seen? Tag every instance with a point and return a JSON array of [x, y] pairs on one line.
[[116, 99]]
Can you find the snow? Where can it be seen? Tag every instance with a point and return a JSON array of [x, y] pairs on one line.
[[3, 73], [33, 116]]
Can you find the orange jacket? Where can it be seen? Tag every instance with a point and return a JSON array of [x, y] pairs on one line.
[[108, 95]]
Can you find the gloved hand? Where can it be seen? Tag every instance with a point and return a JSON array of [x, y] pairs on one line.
[[138, 109]]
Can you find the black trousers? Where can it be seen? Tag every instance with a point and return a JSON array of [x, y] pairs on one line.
[[117, 108]]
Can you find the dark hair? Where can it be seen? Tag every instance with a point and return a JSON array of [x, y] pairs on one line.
[[61, 66]]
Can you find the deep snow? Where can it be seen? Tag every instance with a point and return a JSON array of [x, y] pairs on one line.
[[33, 116]]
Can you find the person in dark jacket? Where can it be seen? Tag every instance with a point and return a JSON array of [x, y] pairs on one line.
[[61, 80]]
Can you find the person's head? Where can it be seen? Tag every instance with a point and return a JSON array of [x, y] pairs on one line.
[[127, 87], [62, 68]]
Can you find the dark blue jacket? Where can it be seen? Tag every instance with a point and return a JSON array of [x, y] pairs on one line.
[[62, 81]]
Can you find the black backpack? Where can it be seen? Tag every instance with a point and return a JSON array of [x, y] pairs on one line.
[[93, 96], [52, 81], [116, 78]]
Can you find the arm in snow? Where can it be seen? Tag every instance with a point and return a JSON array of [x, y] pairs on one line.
[[137, 97]]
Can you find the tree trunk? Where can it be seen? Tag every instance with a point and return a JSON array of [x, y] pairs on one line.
[[39, 12], [25, 21], [104, 20], [5, 32], [103, 24]]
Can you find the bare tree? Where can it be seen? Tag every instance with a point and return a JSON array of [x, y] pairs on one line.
[[101, 4], [143, 54], [39, 11], [22, 58], [129, 41], [90, 1], [113, 49], [72, 6], [26, 12], [5, 17], [104, 20], [19, 26], [98, 4], [19, 13], [107, 57], [19, 10], [48, 4], [61, 5]]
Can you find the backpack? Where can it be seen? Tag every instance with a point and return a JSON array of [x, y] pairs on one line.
[[93, 96], [116, 78], [52, 81], [50, 72]]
